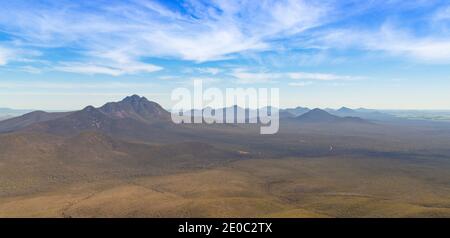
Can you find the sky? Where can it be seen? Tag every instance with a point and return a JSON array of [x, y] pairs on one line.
[[65, 55]]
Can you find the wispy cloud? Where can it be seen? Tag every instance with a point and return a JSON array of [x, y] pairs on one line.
[[300, 84], [388, 38], [33, 93], [209, 70], [116, 70], [244, 76], [205, 31], [189, 82], [74, 85], [202, 70], [442, 14], [322, 76], [114, 37], [5, 55]]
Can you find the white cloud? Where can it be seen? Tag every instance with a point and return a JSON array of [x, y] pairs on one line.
[[399, 42], [202, 70], [205, 32], [245, 77], [390, 39], [205, 81], [167, 77], [321, 76], [120, 32], [425, 49], [116, 70], [88, 69], [209, 70], [73, 85], [442, 14], [5, 55], [300, 84], [31, 69]]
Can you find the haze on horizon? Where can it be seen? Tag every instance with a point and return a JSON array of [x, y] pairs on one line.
[[64, 55]]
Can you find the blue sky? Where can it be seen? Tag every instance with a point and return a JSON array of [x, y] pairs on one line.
[[390, 54]]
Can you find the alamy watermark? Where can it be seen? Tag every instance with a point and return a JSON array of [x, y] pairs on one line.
[[232, 105]]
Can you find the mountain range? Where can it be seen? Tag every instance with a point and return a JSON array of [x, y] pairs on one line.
[[6, 113], [134, 115], [128, 159], [131, 111], [320, 116]]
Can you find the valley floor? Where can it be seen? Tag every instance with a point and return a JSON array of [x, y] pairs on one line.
[[291, 187]]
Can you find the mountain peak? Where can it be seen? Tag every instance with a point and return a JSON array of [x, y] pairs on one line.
[[134, 99], [136, 107], [296, 111], [345, 109], [317, 115], [318, 110], [89, 109], [321, 116]]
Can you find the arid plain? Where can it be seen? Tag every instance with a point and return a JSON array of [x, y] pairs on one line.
[[127, 159]]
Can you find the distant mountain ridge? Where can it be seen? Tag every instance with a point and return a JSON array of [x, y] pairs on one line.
[[28, 119], [367, 114], [4, 110], [345, 110], [363, 113], [133, 114], [112, 116], [296, 111], [7, 113], [321, 116]]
